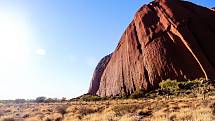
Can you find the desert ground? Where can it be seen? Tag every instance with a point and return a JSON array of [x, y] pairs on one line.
[[159, 109]]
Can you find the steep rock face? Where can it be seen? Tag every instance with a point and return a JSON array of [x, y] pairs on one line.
[[166, 39], [95, 82]]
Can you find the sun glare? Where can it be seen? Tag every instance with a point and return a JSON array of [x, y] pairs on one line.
[[13, 37]]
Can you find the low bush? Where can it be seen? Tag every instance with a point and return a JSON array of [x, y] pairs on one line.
[[85, 110], [50, 100], [41, 99], [173, 87], [144, 113], [61, 109], [137, 94], [89, 98], [169, 85], [126, 108], [123, 95], [189, 85]]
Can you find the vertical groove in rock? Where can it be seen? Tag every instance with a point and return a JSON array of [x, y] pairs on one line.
[[123, 78], [139, 46]]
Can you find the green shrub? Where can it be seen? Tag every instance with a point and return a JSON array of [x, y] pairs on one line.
[[89, 98], [170, 85], [137, 94], [189, 85]]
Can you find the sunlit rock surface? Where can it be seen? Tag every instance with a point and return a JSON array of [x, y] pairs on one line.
[[166, 39]]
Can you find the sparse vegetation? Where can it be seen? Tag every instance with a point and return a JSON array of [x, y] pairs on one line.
[[123, 95], [171, 86], [50, 100], [175, 109], [89, 98], [20, 101], [85, 110], [40, 99], [191, 100], [62, 109], [126, 108], [8, 119], [145, 112], [137, 94], [191, 88]]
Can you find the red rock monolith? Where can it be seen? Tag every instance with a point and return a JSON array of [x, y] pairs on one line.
[[167, 39]]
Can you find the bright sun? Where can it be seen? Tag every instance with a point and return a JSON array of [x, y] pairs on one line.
[[13, 37]]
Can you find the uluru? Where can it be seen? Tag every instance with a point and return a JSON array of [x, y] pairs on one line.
[[167, 39]]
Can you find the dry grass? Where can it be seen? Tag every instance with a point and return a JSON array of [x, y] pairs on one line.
[[175, 109]]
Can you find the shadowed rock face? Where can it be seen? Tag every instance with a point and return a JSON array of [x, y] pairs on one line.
[[166, 39], [95, 83]]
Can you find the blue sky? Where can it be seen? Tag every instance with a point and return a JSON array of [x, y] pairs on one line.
[[59, 43]]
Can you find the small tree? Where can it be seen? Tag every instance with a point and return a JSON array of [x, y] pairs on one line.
[[40, 99]]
